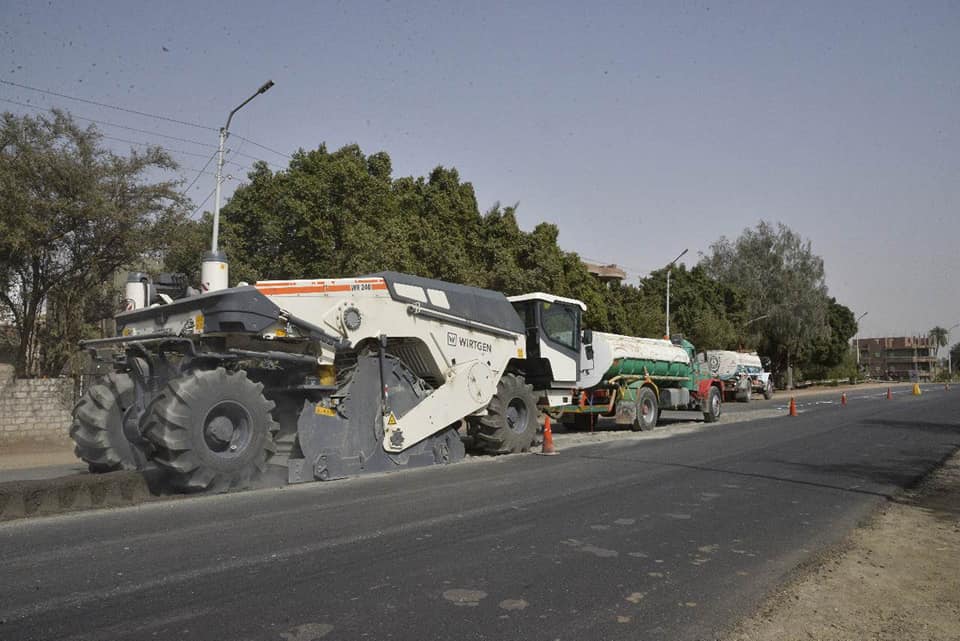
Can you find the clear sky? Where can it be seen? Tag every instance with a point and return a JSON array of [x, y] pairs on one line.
[[639, 128]]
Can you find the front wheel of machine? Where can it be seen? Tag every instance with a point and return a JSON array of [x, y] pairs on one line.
[[213, 430], [712, 414], [768, 390], [647, 411], [510, 424]]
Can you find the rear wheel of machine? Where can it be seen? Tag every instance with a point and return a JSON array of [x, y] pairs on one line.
[[97, 428], [768, 390], [647, 411], [213, 430], [510, 424], [712, 413]]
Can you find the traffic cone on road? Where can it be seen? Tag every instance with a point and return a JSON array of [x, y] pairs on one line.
[[889, 394], [793, 406], [547, 449], [843, 399], [916, 389]]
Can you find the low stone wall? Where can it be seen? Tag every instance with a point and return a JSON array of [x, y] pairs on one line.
[[35, 410]]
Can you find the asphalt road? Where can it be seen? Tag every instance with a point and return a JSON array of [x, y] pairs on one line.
[[670, 538]]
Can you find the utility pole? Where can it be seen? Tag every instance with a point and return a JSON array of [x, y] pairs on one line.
[[669, 269], [214, 270], [856, 342]]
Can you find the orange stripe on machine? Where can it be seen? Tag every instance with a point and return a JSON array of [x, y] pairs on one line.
[[283, 288]]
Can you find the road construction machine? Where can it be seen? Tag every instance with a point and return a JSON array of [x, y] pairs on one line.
[[357, 375]]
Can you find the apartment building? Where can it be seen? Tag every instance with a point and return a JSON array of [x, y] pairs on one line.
[[902, 358]]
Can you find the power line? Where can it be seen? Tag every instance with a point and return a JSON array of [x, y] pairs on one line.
[[172, 151], [151, 133], [149, 144], [108, 106], [199, 173], [256, 144], [113, 124], [200, 206]]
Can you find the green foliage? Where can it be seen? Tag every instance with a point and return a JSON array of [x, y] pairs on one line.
[[782, 280], [830, 350], [193, 240], [939, 336], [845, 369], [707, 311], [341, 214], [71, 214]]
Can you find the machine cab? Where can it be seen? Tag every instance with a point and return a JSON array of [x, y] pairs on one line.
[[555, 347]]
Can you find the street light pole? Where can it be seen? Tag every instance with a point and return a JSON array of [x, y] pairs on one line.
[[856, 342], [213, 272], [669, 268]]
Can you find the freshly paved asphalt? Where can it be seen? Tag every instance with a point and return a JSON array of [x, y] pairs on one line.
[[672, 538]]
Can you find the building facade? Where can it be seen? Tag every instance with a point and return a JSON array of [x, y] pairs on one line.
[[901, 358]]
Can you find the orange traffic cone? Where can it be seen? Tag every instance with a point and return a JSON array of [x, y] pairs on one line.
[[547, 439], [793, 406], [889, 394], [843, 399]]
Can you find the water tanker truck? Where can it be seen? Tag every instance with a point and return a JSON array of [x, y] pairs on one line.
[[355, 375], [628, 378], [742, 374]]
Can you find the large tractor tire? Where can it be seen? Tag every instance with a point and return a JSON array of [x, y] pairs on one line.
[[648, 411], [711, 411], [97, 428], [212, 429], [510, 424]]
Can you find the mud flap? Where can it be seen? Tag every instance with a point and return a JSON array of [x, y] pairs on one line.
[[347, 440]]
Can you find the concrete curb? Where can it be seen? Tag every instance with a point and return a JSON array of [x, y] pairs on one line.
[[25, 499]]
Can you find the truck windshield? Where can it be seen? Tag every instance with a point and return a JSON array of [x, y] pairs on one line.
[[560, 324]]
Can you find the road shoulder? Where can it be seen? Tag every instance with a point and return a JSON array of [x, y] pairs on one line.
[[893, 579]]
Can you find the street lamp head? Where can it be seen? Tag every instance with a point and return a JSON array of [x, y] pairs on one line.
[[265, 87], [682, 254]]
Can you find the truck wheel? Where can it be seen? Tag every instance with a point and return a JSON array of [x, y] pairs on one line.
[[510, 424], [744, 396], [213, 430], [647, 411], [97, 427], [712, 412], [768, 390]]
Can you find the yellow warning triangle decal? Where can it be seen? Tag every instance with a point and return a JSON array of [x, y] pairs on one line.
[[392, 419]]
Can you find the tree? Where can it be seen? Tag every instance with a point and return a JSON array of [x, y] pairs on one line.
[[341, 214], [781, 279], [707, 311], [71, 214], [831, 349], [939, 336]]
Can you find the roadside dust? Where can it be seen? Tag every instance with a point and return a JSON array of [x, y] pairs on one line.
[[897, 578]]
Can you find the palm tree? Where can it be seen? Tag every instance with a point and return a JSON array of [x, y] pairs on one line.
[[938, 336]]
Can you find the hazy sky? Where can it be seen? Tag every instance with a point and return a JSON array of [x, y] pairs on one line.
[[640, 129]]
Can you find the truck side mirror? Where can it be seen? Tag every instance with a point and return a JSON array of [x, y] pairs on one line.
[[588, 337]]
